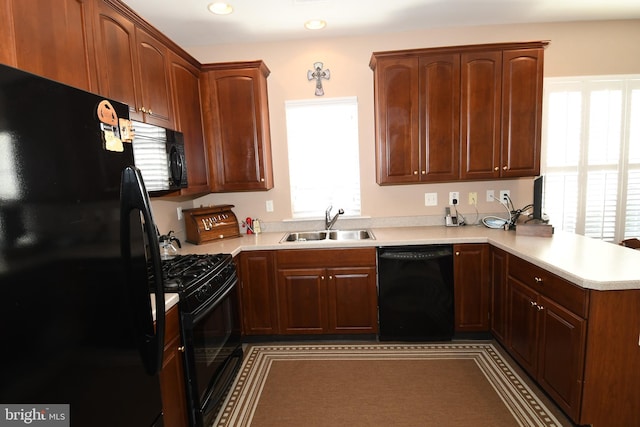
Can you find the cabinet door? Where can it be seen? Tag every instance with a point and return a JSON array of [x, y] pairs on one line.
[[154, 80], [172, 380], [439, 77], [240, 147], [561, 355], [397, 143], [302, 301], [54, 39], [471, 287], [352, 299], [116, 58], [185, 84], [481, 76], [522, 72], [499, 295], [523, 316], [259, 298]]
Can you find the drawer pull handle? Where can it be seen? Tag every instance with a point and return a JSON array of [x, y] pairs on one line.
[[538, 280]]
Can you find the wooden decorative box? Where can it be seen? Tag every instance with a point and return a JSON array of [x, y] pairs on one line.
[[210, 223]]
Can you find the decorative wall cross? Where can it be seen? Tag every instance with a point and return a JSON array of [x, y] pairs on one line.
[[318, 74]]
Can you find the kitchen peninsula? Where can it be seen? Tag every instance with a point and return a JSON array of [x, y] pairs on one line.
[[567, 308]]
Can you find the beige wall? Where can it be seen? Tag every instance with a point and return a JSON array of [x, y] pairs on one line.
[[588, 48]]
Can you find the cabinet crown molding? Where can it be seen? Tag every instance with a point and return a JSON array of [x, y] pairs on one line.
[[456, 49]]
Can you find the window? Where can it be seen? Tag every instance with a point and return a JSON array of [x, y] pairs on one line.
[[322, 136], [591, 155]]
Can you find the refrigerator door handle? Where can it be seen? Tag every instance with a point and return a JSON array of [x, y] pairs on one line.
[[133, 196]]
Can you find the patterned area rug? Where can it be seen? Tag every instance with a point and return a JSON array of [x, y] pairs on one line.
[[450, 384]]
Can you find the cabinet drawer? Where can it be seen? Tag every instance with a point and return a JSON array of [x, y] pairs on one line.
[[548, 284], [301, 258]]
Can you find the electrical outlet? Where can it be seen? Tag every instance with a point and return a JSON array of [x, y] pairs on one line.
[[179, 211], [491, 196], [454, 198], [505, 195], [431, 199], [269, 205], [473, 198]]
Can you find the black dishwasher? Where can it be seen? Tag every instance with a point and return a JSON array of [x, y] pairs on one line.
[[415, 293]]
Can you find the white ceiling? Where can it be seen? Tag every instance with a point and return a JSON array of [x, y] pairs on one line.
[[189, 23]]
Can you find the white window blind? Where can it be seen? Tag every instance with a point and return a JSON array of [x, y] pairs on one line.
[[591, 155], [322, 136]]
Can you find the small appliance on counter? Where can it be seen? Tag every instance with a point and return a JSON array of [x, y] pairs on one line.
[[167, 248], [206, 224]]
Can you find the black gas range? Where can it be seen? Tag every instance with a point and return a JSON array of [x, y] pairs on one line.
[[198, 278], [210, 328]]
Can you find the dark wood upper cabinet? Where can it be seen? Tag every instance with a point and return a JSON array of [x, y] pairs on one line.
[[133, 67], [51, 38], [481, 80], [185, 84], [236, 111], [458, 113], [439, 98], [397, 130], [522, 75]]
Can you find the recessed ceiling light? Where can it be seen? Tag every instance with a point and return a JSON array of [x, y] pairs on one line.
[[220, 8], [315, 24]]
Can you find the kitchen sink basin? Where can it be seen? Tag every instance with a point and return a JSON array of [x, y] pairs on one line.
[[305, 236], [335, 235], [350, 235]]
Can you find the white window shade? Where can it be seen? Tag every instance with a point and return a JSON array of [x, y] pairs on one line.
[[591, 162], [322, 136]]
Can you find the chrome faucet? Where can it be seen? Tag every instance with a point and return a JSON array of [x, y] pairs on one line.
[[328, 221]]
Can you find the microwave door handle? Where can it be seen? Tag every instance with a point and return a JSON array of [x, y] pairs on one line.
[[133, 196]]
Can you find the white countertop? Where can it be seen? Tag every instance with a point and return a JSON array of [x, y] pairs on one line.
[[169, 301], [587, 262]]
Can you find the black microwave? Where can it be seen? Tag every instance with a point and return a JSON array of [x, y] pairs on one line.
[[159, 154]]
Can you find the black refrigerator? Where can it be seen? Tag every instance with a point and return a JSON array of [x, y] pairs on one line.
[[77, 244]]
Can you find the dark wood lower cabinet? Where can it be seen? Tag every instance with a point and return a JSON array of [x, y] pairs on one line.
[[309, 292], [471, 287], [352, 300], [546, 338], [174, 400], [499, 297], [258, 293]]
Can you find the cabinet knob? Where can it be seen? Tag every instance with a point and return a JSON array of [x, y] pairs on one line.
[[538, 280], [504, 168], [457, 253], [150, 112], [533, 303], [330, 277], [261, 179], [539, 307], [322, 277], [181, 349], [144, 110], [415, 172], [424, 172], [496, 168]]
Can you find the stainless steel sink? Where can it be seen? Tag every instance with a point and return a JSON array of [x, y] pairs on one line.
[[350, 235], [305, 236], [336, 235]]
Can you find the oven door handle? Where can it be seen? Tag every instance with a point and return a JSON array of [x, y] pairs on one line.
[[134, 197]]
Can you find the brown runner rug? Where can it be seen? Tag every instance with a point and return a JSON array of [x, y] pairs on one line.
[[314, 385]]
